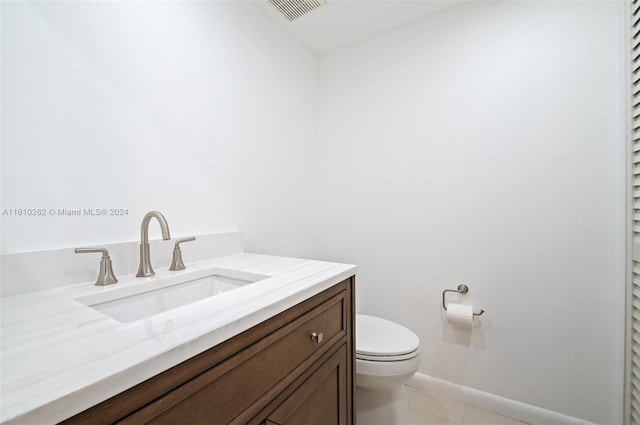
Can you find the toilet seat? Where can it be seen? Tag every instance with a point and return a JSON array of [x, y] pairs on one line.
[[382, 340]]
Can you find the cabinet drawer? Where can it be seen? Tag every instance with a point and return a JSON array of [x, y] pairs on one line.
[[248, 378]]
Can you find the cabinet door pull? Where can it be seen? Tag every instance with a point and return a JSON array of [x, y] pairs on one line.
[[317, 337]]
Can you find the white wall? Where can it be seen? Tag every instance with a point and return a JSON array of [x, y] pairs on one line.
[[486, 145], [201, 110]]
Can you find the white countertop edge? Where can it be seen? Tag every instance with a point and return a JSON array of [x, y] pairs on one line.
[[77, 401]]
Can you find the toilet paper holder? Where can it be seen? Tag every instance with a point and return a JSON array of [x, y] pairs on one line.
[[462, 289]]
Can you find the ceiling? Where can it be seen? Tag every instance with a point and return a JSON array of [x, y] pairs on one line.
[[342, 22]]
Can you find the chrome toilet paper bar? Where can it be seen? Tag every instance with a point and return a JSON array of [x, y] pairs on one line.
[[462, 289]]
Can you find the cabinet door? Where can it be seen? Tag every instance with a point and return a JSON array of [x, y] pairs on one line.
[[321, 399]]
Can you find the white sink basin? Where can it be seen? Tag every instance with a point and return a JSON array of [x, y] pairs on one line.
[[139, 300]]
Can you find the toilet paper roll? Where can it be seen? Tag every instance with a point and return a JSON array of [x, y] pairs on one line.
[[460, 315]]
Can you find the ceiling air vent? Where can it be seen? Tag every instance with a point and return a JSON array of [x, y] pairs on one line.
[[293, 9]]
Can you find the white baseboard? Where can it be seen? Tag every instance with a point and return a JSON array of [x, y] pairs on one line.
[[513, 409]]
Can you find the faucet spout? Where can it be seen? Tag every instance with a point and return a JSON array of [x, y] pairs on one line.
[[145, 268]]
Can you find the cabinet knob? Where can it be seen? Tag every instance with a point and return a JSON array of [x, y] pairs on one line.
[[317, 337]]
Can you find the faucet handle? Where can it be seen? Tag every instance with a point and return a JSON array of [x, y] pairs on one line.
[[176, 262], [106, 276]]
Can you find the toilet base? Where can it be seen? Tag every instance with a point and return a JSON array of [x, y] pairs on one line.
[[382, 406]]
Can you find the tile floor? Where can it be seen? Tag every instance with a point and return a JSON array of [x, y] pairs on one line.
[[431, 409]]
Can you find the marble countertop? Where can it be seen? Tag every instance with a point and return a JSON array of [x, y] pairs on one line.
[[59, 357]]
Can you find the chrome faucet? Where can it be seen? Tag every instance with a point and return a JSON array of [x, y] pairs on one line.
[[177, 263], [106, 276], [145, 268]]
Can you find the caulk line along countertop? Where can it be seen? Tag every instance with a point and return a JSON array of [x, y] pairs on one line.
[[59, 357]]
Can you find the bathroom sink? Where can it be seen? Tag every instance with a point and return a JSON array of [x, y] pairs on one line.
[[159, 294]]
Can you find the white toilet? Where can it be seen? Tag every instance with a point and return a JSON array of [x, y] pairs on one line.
[[387, 355]]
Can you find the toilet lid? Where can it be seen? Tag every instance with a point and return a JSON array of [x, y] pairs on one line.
[[377, 337]]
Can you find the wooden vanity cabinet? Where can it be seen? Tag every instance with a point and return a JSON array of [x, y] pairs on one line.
[[295, 368]]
